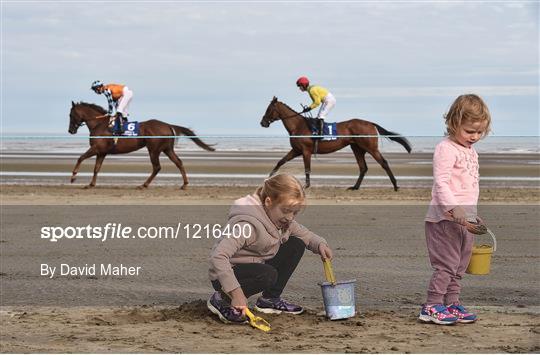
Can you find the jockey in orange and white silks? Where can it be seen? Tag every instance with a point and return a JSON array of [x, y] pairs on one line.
[[319, 96], [118, 100]]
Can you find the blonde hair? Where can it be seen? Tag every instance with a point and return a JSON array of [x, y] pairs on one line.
[[282, 188], [467, 108]]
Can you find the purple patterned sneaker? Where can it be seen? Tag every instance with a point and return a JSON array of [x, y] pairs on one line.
[[277, 306], [461, 313], [224, 311], [438, 314]]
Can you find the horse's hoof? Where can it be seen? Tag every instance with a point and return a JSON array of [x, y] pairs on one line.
[[352, 188], [183, 187], [142, 187], [89, 186], [73, 179], [396, 189]]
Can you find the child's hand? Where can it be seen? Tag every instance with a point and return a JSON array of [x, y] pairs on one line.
[[476, 228], [459, 215], [238, 299], [325, 252]]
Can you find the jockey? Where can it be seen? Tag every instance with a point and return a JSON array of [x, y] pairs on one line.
[[318, 95], [118, 98]]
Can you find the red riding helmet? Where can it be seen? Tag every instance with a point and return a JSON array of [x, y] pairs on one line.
[[302, 81]]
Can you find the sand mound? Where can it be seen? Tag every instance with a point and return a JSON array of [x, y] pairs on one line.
[[191, 328]]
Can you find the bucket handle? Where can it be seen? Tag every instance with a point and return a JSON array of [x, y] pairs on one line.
[[494, 239]]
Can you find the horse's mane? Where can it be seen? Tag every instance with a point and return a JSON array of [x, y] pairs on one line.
[[92, 106], [289, 107]]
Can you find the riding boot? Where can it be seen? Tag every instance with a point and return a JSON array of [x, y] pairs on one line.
[[116, 126], [119, 124], [321, 126], [313, 126]]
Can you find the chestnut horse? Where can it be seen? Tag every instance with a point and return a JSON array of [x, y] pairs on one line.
[[296, 125], [95, 118]]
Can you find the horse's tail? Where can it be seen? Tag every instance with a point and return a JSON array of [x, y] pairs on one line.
[[179, 130], [396, 137]]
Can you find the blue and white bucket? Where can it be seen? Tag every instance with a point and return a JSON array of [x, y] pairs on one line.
[[339, 299]]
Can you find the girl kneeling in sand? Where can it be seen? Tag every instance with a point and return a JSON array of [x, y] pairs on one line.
[[264, 258]]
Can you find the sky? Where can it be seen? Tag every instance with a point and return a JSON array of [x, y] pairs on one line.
[[215, 66]]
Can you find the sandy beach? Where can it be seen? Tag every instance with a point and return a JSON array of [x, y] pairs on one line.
[[190, 328], [377, 235], [241, 168], [114, 258]]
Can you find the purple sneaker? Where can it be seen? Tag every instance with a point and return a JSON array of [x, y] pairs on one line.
[[461, 313], [277, 306], [224, 311]]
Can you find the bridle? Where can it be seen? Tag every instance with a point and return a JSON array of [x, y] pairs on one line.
[[287, 117], [79, 124]]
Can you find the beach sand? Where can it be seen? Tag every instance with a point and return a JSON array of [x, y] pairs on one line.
[[189, 328], [249, 168], [376, 233]]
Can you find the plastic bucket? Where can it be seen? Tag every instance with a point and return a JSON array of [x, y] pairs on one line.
[[480, 263], [339, 299]]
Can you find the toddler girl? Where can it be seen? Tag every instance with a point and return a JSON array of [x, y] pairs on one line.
[[454, 198]]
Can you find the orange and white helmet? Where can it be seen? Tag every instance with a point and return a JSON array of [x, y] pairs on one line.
[[302, 82]]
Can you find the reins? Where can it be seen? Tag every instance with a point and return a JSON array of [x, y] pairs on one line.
[[292, 116], [84, 123]]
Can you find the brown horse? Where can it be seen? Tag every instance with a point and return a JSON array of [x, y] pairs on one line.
[[95, 118], [297, 125]]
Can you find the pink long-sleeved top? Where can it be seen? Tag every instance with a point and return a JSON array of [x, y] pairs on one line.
[[455, 181]]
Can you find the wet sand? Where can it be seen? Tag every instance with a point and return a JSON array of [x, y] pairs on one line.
[[71, 194], [248, 168], [377, 235]]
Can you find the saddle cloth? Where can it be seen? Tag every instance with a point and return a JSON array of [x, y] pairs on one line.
[[131, 128], [329, 131]]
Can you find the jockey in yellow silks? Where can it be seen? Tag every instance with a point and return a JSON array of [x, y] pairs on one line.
[[319, 96]]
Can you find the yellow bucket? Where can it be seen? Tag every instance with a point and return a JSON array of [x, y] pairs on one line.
[[480, 263]]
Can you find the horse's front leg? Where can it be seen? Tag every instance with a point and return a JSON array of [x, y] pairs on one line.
[[97, 167], [89, 153], [307, 166], [289, 156]]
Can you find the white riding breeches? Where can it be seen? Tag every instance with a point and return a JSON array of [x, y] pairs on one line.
[[124, 101], [328, 104]]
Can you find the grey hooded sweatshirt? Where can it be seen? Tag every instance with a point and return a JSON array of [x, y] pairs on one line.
[[260, 245]]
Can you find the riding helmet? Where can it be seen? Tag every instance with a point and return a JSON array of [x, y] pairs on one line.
[[302, 81], [96, 84]]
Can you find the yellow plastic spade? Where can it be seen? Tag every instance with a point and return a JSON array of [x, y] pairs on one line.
[[254, 321], [329, 272], [257, 322]]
